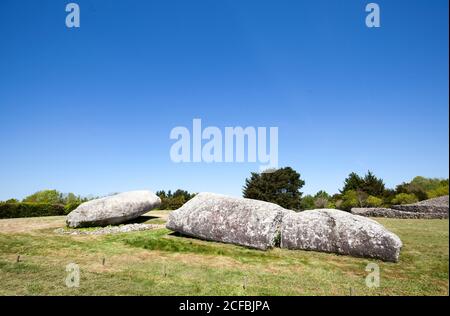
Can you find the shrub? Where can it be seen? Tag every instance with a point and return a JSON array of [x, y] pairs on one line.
[[440, 191], [321, 202], [374, 201], [25, 209], [353, 198], [405, 198], [70, 207], [307, 203], [424, 188], [349, 200]]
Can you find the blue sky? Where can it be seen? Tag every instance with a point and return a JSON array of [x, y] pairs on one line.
[[90, 110]]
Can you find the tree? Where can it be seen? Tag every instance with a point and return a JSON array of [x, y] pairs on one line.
[[439, 191], [352, 182], [45, 196], [321, 202], [372, 185], [12, 201], [369, 184], [321, 199], [183, 193], [307, 203], [424, 188], [281, 187], [349, 199], [55, 197], [172, 201]]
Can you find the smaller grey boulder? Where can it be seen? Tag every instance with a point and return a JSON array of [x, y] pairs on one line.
[[240, 221], [335, 231], [113, 209]]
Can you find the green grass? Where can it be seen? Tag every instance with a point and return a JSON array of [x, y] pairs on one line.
[[158, 262]]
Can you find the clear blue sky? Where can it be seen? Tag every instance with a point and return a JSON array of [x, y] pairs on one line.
[[90, 110]]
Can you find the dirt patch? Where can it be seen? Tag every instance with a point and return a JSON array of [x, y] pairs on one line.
[[30, 224]]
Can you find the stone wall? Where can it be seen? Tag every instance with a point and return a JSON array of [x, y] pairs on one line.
[[393, 213], [429, 209]]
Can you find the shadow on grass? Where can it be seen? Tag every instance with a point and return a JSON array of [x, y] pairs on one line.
[[140, 219], [165, 240]]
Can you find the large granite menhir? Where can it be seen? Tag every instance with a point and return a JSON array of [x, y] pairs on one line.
[[240, 221], [335, 231], [264, 225], [113, 209]]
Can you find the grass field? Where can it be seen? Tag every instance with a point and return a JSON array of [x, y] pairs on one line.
[[160, 263]]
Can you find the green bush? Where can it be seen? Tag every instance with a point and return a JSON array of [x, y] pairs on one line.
[[373, 201], [405, 198], [350, 199], [307, 202], [25, 209], [424, 188], [70, 207], [439, 191]]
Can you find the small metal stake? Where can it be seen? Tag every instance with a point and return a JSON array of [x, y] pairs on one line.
[[351, 291], [164, 271], [18, 258], [103, 261]]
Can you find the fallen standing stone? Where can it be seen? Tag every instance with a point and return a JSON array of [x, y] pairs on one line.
[[113, 209]]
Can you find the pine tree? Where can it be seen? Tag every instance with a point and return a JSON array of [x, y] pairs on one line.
[[281, 187]]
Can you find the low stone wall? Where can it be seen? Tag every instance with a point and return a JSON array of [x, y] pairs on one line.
[[435, 205], [431, 208], [395, 213]]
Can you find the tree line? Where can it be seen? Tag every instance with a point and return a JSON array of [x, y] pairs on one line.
[[169, 200], [282, 186]]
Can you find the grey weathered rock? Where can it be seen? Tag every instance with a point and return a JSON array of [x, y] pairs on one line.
[[330, 230], [240, 221], [392, 213], [113, 209], [435, 205], [262, 225]]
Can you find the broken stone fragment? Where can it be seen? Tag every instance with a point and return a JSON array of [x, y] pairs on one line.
[[335, 231]]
